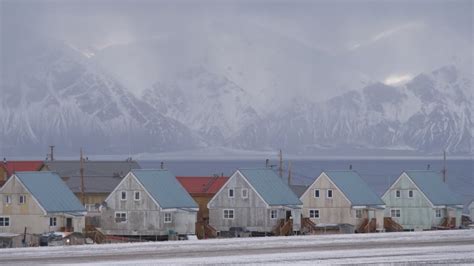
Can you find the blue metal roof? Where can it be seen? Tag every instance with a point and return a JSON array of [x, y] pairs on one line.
[[165, 188], [270, 186], [432, 185], [50, 191], [354, 188]]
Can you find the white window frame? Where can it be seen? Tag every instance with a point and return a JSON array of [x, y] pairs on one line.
[[327, 193], [122, 193], [318, 192], [167, 218], [314, 213], [395, 211], [121, 215], [53, 221], [273, 214], [135, 193], [8, 199], [233, 193], [22, 199], [91, 207], [229, 212], [412, 193], [398, 193], [4, 220], [246, 193], [438, 211], [358, 213]]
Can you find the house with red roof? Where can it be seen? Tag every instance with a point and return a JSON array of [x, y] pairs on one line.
[[8, 168], [202, 189]]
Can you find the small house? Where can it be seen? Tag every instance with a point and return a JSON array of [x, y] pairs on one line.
[[255, 201], [39, 202], [149, 204], [420, 200], [342, 199]]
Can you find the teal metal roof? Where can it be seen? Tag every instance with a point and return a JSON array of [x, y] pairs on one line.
[[432, 185], [270, 186], [50, 191], [165, 188], [354, 188]]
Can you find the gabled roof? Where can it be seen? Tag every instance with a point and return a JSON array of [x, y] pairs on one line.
[[202, 185], [270, 186], [299, 190], [50, 192], [432, 185], [20, 166], [164, 188], [356, 190], [99, 176]]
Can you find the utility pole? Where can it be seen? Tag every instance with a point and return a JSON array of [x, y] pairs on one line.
[[51, 155], [289, 173], [280, 167], [82, 178], [444, 166]]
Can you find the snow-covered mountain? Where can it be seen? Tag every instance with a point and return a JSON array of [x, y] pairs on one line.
[[430, 113]]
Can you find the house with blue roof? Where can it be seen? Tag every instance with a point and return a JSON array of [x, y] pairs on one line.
[[149, 203], [255, 201], [420, 200], [343, 198], [39, 202]]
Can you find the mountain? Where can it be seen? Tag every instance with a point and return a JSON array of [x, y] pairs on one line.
[[52, 94], [430, 113]]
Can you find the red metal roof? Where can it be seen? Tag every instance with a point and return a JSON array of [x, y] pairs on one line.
[[202, 184], [19, 166]]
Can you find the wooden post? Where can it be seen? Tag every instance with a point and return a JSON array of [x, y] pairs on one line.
[[82, 177], [444, 166], [280, 167], [289, 173]]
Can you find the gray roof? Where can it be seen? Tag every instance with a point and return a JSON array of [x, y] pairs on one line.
[[270, 186], [165, 188], [99, 176], [299, 190], [432, 185], [354, 188], [50, 191]]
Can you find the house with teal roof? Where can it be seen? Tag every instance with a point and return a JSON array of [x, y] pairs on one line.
[[255, 201], [149, 203], [343, 198], [39, 202], [420, 200]]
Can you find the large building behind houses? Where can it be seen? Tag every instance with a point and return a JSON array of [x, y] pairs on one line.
[[149, 203], [39, 202], [343, 197], [420, 200], [255, 200]]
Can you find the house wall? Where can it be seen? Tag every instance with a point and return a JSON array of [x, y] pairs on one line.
[[250, 213], [144, 217], [416, 213], [30, 214]]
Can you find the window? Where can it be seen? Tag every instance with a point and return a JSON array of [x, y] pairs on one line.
[[4, 221], [313, 213], [245, 193], [397, 193], [8, 199], [22, 199], [316, 193], [410, 193], [123, 195], [231, 192], [137, 195], [358, 214], [273, 214], [53, 221], [91, 207], [438, 213], [167, 217], [120, 217], [228, 214], [329, 194], [395, 213]]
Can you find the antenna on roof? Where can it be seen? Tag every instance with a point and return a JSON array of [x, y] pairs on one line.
[[4, 160], [267, 163], [280, 166], [162, 165], [428, 167], [350, 166], [82, 177], [51, 155], [444, 166]]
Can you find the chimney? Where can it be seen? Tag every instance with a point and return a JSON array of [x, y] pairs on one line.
[[350, 166], [267, 163], [428, 166], [51, 155], [162, 165]]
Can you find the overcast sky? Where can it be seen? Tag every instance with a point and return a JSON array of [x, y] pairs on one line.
[[359, 41]]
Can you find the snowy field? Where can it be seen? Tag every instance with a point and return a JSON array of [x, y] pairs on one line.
[[449, 247]]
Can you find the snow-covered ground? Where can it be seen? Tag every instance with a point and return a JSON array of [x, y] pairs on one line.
[[413, 247]]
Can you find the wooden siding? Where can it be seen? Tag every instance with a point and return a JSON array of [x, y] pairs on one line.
[[144, 216]]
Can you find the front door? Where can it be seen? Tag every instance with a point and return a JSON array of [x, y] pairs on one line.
[[288, 215], [68, 222]]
